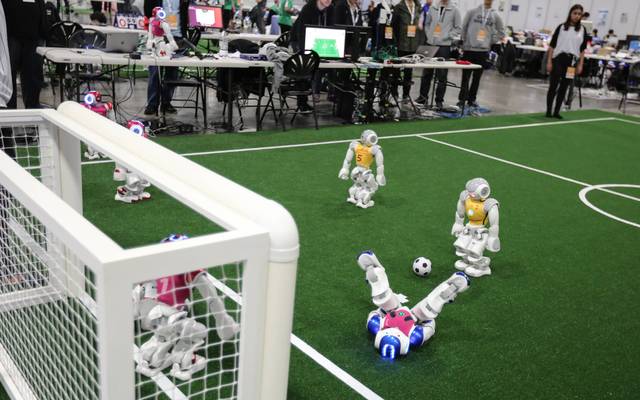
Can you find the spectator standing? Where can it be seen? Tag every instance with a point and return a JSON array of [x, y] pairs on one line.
[[565, 58], [481, 28], [406, 16], [284, 17], [442, 24]]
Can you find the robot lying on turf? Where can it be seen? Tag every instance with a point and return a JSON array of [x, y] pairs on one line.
[[159, 38], [474, 237], [93, 101], [397, 328], [134, 186], [162, 307], [364, 182]]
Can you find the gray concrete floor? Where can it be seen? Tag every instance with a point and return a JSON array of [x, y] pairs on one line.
[[503, 95]]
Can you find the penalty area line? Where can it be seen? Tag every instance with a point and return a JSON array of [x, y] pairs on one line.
[[528, 168]]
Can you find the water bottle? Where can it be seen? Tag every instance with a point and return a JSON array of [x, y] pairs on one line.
[[247, 24], [224, 44]]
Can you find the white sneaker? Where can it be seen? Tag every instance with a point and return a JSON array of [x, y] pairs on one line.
[[119, 174], [125, 196], [477, 272]]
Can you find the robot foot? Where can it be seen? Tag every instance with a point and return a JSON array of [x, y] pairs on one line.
[[227, 328], [351, 200], [125, 196], [199, 363], [371, 203], [461, 265], [145, 183], [477, 271], [91, 156], [144, 196]]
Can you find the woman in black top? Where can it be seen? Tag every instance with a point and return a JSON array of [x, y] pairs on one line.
[[565, 58]]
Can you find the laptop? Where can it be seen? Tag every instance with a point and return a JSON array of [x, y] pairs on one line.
[[427, 51], [205, 17], [121, 42], [329, 43]]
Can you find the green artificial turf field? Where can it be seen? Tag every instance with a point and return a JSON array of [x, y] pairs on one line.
[[557, 319]]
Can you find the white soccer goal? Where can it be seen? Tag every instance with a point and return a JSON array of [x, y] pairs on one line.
[[67, 324]]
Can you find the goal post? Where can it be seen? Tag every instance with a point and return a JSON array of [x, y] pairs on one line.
[[67, 325]]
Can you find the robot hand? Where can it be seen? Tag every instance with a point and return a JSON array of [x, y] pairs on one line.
[[343, 174], [457, 229], [402, 298], [381, 179], [493, 244]]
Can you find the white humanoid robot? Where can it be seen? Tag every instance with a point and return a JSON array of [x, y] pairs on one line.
[[159, 38], [162, 307], [134, 186], [474, 237], [364, 184], [396, 328], [93, 101]]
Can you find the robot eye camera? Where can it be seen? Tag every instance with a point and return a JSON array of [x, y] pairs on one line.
[[369, 137], [137, 127], [390, 347], [158, 12], [90, 98], [478, 188]]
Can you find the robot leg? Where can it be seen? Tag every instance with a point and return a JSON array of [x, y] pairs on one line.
[[461, 244], [136, 185], [369, 188], [353, 190], [119, 173], [478, 264], [429, 307], [226, 326], [92, 154], [381, 294], [185, 362]]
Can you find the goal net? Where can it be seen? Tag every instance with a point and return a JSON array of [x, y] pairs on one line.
[[83, 317]]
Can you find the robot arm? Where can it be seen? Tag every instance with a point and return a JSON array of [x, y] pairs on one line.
[[380, 178], [458, 225], [493, 244], [429, 307], [168, 36], [226, 327], [149, 44], [381, 294], [344, 171]]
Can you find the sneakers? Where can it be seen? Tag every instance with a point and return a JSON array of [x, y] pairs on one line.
[[150, 110], [421, 100], [168, 109], [557, 115], [473, 104], [439, 105]]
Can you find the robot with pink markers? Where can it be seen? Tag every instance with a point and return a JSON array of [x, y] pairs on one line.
[[397, 328], [133, 189], [159, 38], [93, 101], [163, 307]]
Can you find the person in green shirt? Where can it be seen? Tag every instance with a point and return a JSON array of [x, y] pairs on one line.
[[286, 11], [228, 9]]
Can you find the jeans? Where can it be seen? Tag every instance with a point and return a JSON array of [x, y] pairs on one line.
[[155, 95], [28, 63], [469, 94], [558, 82]]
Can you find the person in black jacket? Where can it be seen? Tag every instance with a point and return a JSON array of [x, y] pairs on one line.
[[25, 28], [347, 12], [177, 14]]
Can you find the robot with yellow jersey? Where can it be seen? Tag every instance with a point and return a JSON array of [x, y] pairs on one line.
[[365, 149], [482, 230]]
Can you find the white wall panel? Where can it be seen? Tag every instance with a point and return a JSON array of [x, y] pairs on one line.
[[624, 18], [557, 13], [536, 14]]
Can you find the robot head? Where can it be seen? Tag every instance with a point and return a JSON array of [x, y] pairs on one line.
[[158, 12], [391, 343], [478, 189], [92, 97], [137, 127], [369, 137], [174, 237]]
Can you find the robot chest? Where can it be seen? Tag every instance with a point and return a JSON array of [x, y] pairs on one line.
[[475, 210], [401, 319], [156, 29], [363, 156]]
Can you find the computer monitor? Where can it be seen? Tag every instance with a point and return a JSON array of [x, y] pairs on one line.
[[634, 46], [356, 40], [327, 42], [205, 17]]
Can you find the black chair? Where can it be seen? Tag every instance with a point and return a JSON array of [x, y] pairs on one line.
[[283, 40], [87, 73], [632, 86], [60, 33], [187, 78], [299, 73], [87, 39]]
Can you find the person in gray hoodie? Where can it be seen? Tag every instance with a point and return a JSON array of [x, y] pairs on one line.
[[481, 28], [441, 25]]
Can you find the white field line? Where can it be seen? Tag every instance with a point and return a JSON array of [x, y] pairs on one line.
[[583, 197], [628, 121], [312, 144], [539, 171], [312, 353]]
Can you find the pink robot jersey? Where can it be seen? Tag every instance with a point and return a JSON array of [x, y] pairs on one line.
[[174, 290]]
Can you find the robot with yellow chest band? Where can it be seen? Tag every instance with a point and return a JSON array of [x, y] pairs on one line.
[[365, 150], [480, 233]]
